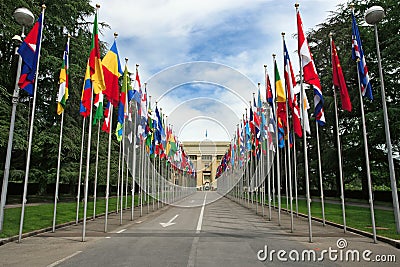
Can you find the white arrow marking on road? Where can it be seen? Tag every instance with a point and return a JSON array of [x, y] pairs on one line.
[[170, 222], [192, 201]]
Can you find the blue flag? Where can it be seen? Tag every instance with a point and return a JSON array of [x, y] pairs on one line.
[[29, 51]]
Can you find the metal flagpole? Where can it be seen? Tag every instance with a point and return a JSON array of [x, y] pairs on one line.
[[95, 173], [25, 18], [371, 199], [289, 178], [285, 155], [121, 204], [339, 149], [320, 174], [119, 176], [307, 179], [28, 160], [268, 174], [376, 14], [127, 180], [340, 164], [87, 167], [58, 171], [295, 174], [134, 159], [278, 174], [60, 144], [108, 170], [78, 196], [141, 177]]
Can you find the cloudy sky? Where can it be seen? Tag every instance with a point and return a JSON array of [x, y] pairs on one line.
[[202, 60]]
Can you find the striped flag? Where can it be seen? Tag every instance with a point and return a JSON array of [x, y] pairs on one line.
[[96, 69], [290, 84], [86, 94], [107, 114], [112, 71], [98, 103], [63, 90], [310, 72], [358, 55], [29, 51]]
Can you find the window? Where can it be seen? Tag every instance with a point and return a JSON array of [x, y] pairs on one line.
[[206, 157]]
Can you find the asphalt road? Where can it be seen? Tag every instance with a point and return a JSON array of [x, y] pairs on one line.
[[215, 232]]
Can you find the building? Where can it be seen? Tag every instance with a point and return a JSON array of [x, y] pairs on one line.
[[206, 155]]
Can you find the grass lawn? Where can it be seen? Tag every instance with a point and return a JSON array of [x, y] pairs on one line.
[[356, 217], [41, 216]]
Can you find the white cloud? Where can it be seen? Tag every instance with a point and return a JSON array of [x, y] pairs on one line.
[[240, 34]]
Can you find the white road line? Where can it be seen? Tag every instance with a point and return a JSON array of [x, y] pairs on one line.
[[108, 237], [64, 259], [200, 222], [121, 231]]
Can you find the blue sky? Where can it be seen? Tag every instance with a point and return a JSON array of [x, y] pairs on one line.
[[231, 39]]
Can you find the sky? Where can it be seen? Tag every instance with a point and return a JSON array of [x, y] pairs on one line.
[[202, 60]]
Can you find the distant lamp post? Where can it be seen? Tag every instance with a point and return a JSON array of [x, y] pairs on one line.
[[373, 16], [24, 17]]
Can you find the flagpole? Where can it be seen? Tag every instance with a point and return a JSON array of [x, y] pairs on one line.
[[108, 169], [339, 149], [123, 156], [28, 160], [295, 174], [22, 19], [78, 196], [305, 148], [374, 17], [88, 157], [119, 175], [58, 171], [278, 174], [289, 179], [134, 159], [320, 174], [59, 157], [95, 173]]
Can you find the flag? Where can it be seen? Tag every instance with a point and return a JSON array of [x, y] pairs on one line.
[[310, 72], [96, 69], [306, 107], [107, 114], [281, 99], [98, 103], [290, 84], [269, 93], [86, 94], [29, 51], [358, 55], [126, 83], [137, 89], [143, 115], [63, 90], [338, 79], [112, 71]]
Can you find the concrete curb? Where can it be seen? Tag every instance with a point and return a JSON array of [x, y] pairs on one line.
[[392, 242], [48, 229]]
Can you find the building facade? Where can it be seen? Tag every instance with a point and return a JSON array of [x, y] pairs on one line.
[[206, 155]]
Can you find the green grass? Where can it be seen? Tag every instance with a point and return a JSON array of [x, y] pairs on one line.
[[41, 216], [356, 217]]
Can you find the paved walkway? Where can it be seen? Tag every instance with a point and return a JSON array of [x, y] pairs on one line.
[[215, 232]]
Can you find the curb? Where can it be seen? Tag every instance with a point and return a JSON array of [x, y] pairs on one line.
[[392, 242], [49, 229]]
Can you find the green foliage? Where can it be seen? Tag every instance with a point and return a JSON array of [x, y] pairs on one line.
[[350, 124], [73, 17]]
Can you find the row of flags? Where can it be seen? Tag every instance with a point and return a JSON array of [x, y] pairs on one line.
[[102, 79], [254, 134]]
